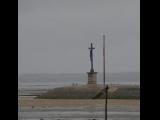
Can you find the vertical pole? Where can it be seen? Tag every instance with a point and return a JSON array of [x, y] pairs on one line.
[[106, 90], [105, 86], [104, 60]]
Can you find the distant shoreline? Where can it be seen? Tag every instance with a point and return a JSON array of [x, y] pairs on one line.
[[120, 77]]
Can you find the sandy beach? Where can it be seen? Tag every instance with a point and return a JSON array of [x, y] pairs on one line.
[[77, 109], [76, 102]]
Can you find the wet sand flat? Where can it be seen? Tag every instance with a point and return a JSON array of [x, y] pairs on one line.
[[76, 102], [77, 109]]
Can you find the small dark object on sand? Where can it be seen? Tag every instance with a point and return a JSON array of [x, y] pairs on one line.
[[41, 119]]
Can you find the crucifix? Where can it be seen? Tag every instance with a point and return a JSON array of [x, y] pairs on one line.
[[91, 57]]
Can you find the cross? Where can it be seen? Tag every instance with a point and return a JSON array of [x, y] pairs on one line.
[[91, 47], [91, 57]]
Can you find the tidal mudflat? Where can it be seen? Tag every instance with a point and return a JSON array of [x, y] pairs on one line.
[[78, 109]]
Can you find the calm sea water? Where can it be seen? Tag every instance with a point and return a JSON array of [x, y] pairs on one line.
[[57, 80], [39, 83]]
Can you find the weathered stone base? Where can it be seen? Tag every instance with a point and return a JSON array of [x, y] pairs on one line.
[[92, 78]]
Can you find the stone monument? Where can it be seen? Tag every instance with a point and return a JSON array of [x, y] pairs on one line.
[[92, 76]]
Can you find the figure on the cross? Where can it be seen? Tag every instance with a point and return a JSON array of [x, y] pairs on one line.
[[91, 57]]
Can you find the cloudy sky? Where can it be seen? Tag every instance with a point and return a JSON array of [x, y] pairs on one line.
[[54, 35]]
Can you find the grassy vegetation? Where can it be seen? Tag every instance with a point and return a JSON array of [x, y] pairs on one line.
[[88, 93]]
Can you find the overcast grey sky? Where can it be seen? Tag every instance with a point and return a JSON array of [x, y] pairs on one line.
[[54, 35]]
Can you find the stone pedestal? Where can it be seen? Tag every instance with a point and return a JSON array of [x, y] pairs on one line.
[[92, 78]]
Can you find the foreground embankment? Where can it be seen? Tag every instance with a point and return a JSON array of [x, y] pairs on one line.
[[90, 91]]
